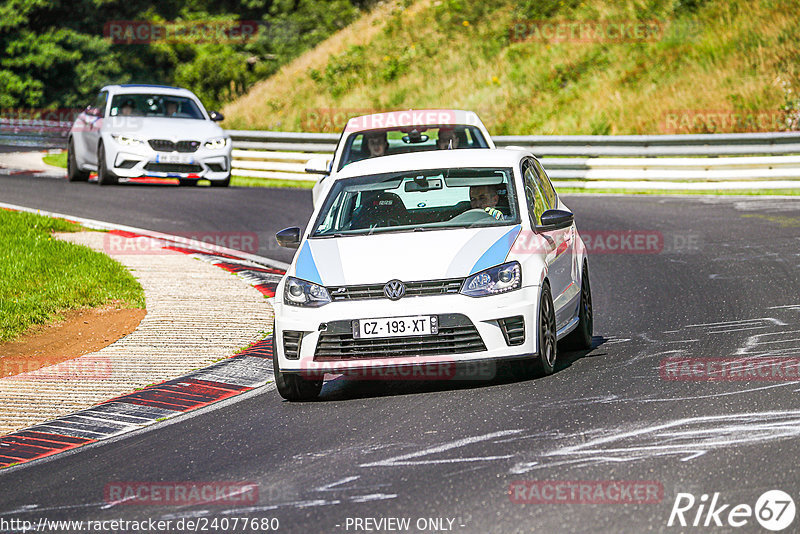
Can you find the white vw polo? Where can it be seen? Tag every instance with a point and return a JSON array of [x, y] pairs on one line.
[[433, 259]]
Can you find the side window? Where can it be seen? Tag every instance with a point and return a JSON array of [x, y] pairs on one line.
[[98, 107], [546, 186], [533, 196]]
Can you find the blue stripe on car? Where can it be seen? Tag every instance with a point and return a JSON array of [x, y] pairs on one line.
[[306, 268], [496, 254]]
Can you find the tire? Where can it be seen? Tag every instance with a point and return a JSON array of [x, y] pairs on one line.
[[543, 362], [104, 176], [221, 183], [74, 174], [292, 386], [581, 337]]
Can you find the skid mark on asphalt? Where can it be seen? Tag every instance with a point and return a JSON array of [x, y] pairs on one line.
[[686, 439], [351, 489], [406, 459]]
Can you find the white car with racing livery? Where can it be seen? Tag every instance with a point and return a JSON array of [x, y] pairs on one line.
[[431, 259], [399, 132], [133, 131]]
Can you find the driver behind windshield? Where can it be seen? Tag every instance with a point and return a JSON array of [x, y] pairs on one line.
[[447, 139], [485, 197], [170, 108]]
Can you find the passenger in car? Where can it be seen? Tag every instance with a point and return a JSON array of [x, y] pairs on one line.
[[127, 107], [377, 144], [171, 108]]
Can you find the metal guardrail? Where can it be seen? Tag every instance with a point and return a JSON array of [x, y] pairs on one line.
[[583, 160], [652, 158]]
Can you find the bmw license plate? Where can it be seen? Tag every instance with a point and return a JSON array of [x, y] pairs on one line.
[[174, 158], [417, 325]]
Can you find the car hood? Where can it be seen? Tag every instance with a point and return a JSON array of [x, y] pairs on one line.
[[163, 128], [406, 256]]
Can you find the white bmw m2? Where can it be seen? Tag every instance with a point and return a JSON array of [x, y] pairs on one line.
[[438, 258]]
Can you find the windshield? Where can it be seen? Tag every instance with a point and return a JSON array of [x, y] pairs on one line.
[[412, 200], [155, 105], [402, 140]]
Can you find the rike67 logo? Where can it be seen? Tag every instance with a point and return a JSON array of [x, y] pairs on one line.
[[774, 510]]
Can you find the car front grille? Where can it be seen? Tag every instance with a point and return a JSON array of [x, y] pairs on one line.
[[165, 145], [456, 335], [413, 289], [173, 167], [513, 330]]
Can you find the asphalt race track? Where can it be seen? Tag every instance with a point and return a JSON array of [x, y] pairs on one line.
[[722, 282]]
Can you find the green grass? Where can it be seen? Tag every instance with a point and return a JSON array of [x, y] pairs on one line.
[[56, 160], [242, 181], [40, 276]]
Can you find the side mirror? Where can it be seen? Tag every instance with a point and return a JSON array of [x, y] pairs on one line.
[[318, 165], [555, 220], [216, 116], [289, 237]]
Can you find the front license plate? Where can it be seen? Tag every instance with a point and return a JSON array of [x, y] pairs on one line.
[[174, 158], [417, 325]]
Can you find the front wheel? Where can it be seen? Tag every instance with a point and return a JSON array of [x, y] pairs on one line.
[[581, 337], [542, 363], [104, 176], [292, 386], [74, 173]]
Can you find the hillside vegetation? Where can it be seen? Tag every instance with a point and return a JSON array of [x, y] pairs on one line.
[[712, 65]]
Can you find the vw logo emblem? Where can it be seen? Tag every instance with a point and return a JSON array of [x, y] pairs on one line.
[[394, 289]]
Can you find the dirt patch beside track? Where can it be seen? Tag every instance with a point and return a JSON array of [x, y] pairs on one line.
[[81, 332]]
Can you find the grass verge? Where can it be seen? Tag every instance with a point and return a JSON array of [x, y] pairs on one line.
[[242, 181], [56, 160], [41, 276]]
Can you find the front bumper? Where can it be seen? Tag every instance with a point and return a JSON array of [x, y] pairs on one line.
[[141, 160], [484, 314]]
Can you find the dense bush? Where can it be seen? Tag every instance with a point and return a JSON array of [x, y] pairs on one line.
[[54, 53]]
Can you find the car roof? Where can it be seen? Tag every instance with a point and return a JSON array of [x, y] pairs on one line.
[[434, 159], [413, 117], [145, 88]]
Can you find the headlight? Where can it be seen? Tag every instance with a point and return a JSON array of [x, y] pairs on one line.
[[219, 142], [301, 293], [493, 281], [126, 141]]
